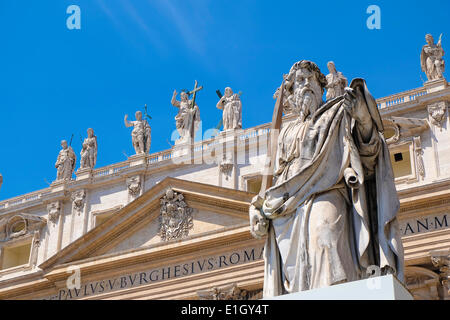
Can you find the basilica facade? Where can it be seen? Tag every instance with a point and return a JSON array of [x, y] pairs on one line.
[[175, 224]]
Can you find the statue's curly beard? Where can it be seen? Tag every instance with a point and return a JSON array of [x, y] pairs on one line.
[[302, 109]]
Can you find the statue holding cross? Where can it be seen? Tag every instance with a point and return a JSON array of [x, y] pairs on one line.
[[188, 117]]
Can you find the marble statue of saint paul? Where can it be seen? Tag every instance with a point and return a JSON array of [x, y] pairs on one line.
[[331, 212]]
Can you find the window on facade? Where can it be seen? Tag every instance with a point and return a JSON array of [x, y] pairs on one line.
[[254, 184], [16, 255], [401, 162]]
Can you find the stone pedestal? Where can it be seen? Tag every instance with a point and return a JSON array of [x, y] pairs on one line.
[[435, 85], [83, 173], [377, 288], [138, 159], [59, 185]]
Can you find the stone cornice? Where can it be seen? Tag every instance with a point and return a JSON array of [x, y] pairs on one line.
[[418, 248], [424, 196]]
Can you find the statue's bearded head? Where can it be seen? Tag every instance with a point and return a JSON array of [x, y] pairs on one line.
[[429, 39], [138, 116], [64, 144], [184, 96], [90, 132], [228, 92], [309, 82]]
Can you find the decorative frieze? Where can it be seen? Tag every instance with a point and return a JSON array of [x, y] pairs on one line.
[[175, 216], [229, 292]]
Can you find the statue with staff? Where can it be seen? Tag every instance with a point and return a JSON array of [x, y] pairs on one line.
[[231, 105], [65, 163], [328, 202], [188, 118], [141, 136]]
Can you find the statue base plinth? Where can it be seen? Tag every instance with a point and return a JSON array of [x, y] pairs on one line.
[[435, 85], [230, 134], [184, 153], [59, 185], [377, 288], [138, 159], [83, 173]]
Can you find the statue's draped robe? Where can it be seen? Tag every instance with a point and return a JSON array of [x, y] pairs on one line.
[[66, 164], [431, 60], [232, 113], [142, 131], [305, 249], [186, 118], [89, 155], [337, 89]]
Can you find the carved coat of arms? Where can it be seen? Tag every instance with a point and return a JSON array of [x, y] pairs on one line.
[[175, 218]]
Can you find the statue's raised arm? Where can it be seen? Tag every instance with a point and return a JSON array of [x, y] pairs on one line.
[[127, 123], [174, 100]]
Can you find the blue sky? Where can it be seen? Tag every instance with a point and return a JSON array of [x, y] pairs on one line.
[[55, 82]]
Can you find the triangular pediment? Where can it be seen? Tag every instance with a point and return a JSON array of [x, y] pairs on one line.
[[137, 225]]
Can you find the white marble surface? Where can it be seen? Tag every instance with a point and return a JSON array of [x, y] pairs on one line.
[[379, 288]]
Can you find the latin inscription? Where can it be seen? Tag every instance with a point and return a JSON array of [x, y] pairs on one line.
[[424, 224], [160, 274]]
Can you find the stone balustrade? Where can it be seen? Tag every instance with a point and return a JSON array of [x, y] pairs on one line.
[[37, 195], [401, 97]]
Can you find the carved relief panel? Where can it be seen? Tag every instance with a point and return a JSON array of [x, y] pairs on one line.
[[54, 210], [134, 186], [78, 200], [436, 113], [175, 216], [229, 292]]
